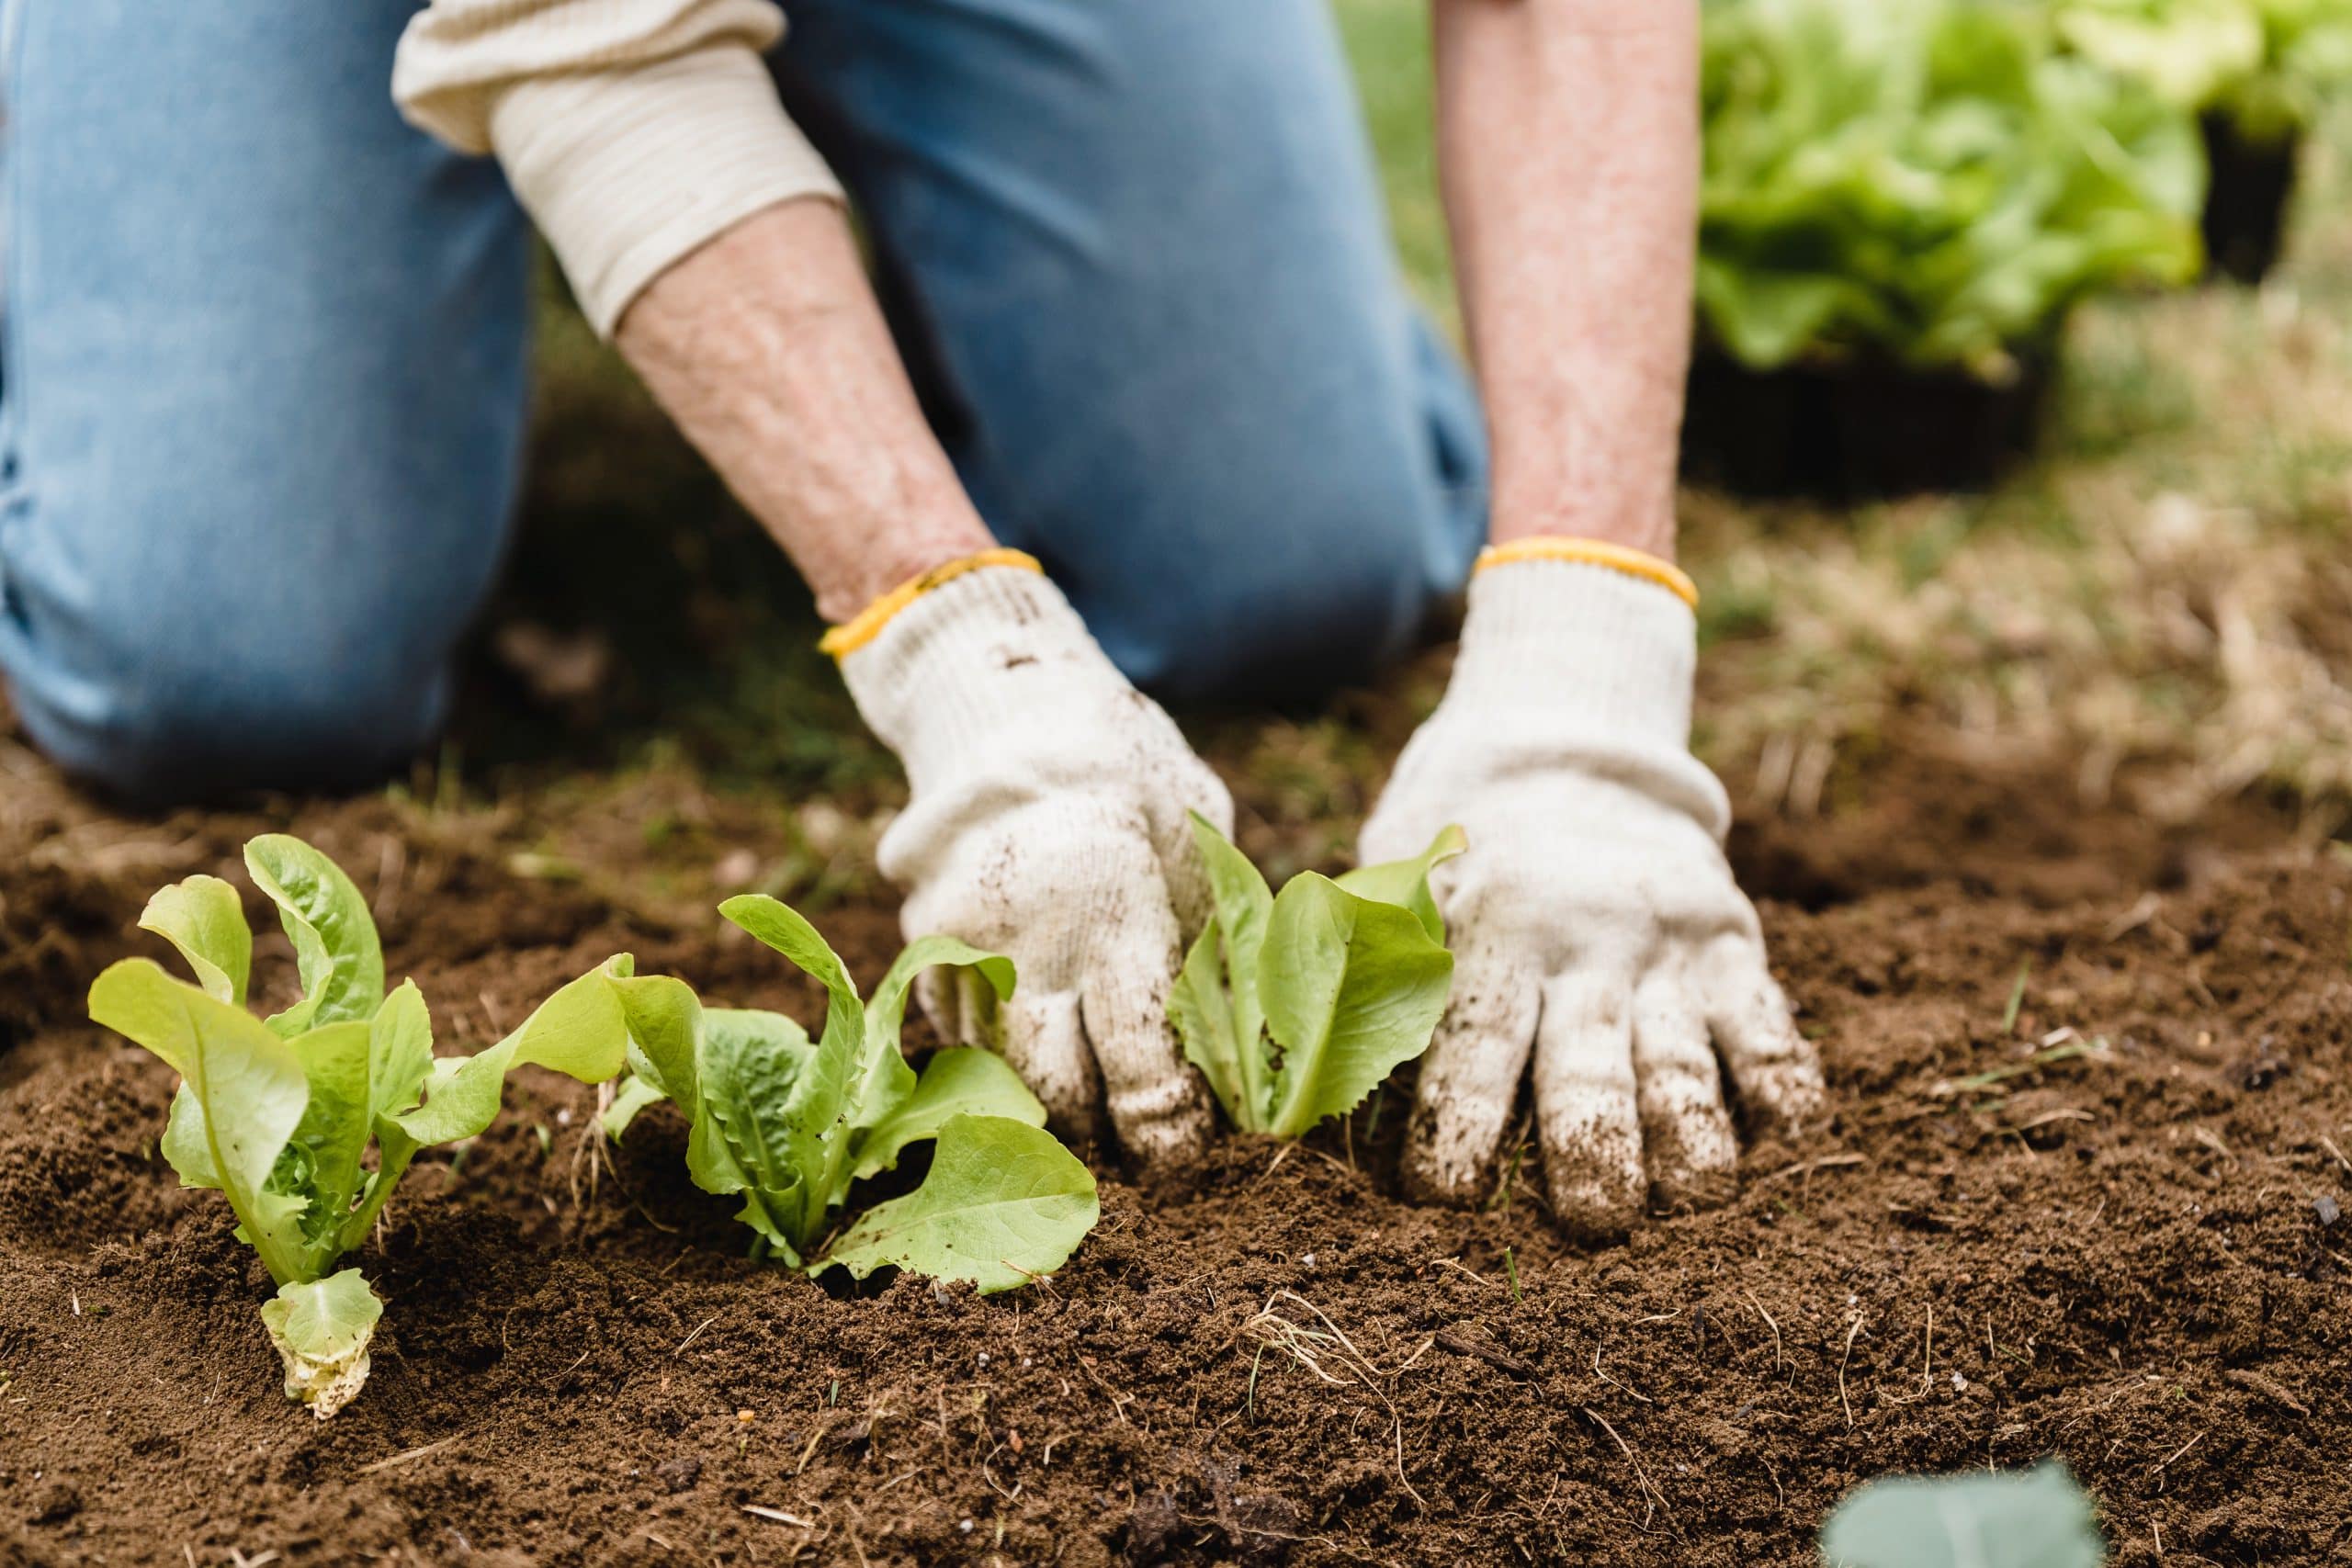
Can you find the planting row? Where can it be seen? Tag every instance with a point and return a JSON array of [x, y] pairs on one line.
[[1293, 1006]]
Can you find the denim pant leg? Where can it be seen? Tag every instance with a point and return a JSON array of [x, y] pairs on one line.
[[1134, 252], [264, 393]]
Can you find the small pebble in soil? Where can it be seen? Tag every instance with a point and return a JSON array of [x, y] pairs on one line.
[[1306, 1260], [984, 1358], [964, 1524], [2328, 1210], [681, 1473], [747, 1416]]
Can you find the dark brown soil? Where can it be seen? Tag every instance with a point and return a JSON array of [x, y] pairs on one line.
[[2134, 1258]]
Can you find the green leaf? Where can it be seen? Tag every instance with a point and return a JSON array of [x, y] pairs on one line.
[[743, 1141], [665, 1022], [204, 919], [1003, 1203], [887, 1079], [400, 1057], [399, 1053], [959, 1081], [245, 1084], [1406, 883], [817, 1123], [1352, 1001], [1243, 905], [1352, 988], [1214, 1005], [631, 1095], [335, 1126], [2036, 1520], [336, 947], [188, 1143], [580, 1031], [1201, 1006], [1937, 184], [2187, 52], [322, 1330]]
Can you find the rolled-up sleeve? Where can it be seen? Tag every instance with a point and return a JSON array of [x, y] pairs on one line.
[[633, 131]]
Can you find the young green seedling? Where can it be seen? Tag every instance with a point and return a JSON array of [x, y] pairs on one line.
[[790, 1126], [1295, 1007], [276, 1113]]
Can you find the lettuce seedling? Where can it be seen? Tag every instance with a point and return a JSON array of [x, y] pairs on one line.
[[276, 1114], [789, 1126], [1295, 1007]]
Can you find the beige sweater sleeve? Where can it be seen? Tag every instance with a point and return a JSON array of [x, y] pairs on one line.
[[633, 131]]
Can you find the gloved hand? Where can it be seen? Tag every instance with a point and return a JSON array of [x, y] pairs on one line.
[[1594, 920], [1048, 822]]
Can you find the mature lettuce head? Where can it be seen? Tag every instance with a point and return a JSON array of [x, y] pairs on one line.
[[1933, 181]]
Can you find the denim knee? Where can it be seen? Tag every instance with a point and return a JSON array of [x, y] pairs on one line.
[[178, 722], [1307, 586], [265, 384]]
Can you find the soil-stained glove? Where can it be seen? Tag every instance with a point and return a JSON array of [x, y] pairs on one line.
[[1594, 920], [1048, 822]]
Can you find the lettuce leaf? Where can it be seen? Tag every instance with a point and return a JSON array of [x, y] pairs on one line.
[[1004, 1204], [277, 1114], [1930, 182], [791, 1126], [1295, 1007]]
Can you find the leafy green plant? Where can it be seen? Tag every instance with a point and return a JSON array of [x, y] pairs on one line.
[[2269, 66], [1295, 1007], [277, 1114], [2306, 61], [2188, 52], [790, 1126], [1930, 182], [2039, 1519]]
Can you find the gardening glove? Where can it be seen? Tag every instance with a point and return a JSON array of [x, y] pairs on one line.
[[1048, 822], [1594, 921]]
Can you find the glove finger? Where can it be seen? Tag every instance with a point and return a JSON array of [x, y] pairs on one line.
[[1585, 1105], [1686, 1138], [1776, 1068], [1046, 1045], [1154, 1099], [1470, 1074]]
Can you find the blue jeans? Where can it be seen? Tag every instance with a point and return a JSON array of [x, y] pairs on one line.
[[265, 362]]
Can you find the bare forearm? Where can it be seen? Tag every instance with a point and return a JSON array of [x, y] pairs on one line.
[[1569, 140], [768, 349]]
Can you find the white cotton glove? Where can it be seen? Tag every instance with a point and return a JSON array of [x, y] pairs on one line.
[[1048, 822], [1594, 921]]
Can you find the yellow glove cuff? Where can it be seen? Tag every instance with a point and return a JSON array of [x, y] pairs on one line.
[[1594, 552], [867, 625]]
